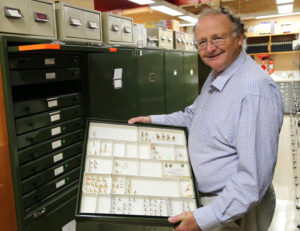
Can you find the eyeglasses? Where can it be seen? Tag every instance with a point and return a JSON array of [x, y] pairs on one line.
[[218, 40]]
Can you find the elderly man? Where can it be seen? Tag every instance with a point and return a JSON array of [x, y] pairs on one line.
[[234, 127]]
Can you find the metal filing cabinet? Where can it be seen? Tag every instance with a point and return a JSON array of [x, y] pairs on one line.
[[179, 40], [151, 81], [117, 29], [287, 89], [113, 78], [45, 120], [190, 78], [174, 81], [165, 37], [28, 17], [78, 24]]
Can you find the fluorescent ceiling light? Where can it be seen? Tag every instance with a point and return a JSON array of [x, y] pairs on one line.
[[187, 24], [284, 9], [278, 2], [142, 2], [167, 8], [276, 15], [188, 18]]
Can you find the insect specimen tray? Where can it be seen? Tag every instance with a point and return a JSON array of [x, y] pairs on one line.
[[136, 173]]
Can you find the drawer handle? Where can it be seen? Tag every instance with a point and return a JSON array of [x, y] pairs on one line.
[[40, 213], [75, 22], [40, 17], [127, 29], [75, 60], [93, 25], [29, 139], [27, 109], [13, 12], [115, 27]]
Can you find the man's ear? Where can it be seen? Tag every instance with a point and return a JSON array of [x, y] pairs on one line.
[[240, 38]]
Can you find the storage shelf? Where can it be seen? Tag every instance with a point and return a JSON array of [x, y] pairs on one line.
[[274, 53], [266, 43]]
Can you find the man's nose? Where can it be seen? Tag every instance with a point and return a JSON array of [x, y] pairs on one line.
[[210, 46]]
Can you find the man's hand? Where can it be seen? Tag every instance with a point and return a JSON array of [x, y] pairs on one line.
[[186, 222], [140, 119]]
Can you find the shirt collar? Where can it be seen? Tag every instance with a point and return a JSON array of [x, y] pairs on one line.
[[220, 81]]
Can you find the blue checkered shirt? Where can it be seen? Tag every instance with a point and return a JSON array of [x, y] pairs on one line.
[[234, 127]]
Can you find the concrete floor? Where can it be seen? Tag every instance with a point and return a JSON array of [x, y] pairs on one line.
[[286, 214]]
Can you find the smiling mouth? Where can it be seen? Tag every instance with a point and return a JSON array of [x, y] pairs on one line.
[[214, 56]]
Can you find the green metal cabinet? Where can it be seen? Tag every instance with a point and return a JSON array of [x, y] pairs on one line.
[[190, 61], [151, 85], [109, 99], [175, 99]]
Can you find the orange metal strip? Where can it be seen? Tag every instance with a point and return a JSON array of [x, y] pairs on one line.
[[113, 49], [39, 47]]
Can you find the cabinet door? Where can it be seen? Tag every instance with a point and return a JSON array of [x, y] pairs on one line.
[[190, 77], [151, 81], [113, 85], [174, 81]]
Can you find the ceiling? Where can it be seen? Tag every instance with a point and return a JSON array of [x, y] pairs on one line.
[[244, 8]]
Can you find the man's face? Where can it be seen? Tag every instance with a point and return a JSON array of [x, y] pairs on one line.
[[218, 29]]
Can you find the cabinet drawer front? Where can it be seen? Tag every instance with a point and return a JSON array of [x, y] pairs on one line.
[[49, 160], [42, 19], [127, 31], [48, 133], [114, 29], [50, 146], [30, 123], [33, 106], [74, 22], [92, 26], [41, 193], [43, 61], [50, 174], [14, 16], [26, 77]]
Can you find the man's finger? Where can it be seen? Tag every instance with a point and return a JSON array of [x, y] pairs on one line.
[[174, 219]]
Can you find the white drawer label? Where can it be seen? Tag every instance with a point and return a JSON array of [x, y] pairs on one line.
[[55, 131], [60, 183], [52, 103], [56, 144], [58, 170], [49, 61], [51, 75], [58, 157], [54, 116]]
